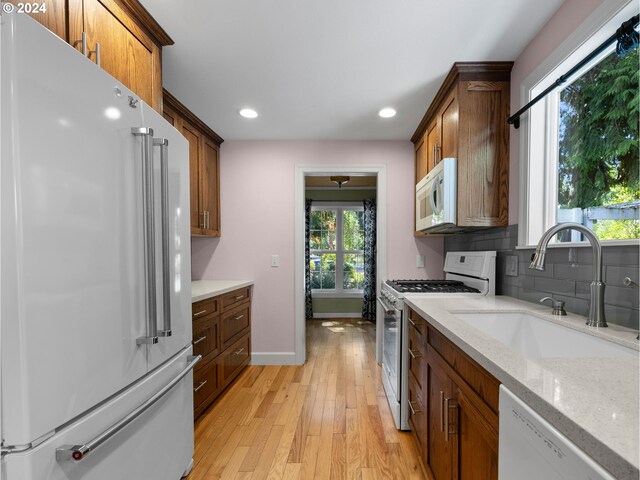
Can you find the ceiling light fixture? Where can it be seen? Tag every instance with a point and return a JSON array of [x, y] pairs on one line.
[[387, 112], [248, 113], [340, 180]]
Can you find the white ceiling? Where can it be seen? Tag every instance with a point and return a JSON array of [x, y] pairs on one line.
[[321, 69]]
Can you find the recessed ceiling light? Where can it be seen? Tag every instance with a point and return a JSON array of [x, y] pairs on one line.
[[248, 113], [387, 112]]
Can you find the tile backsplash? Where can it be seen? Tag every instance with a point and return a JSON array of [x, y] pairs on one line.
[[567, 274]]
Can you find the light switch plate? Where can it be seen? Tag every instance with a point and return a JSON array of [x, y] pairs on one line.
[[419, 261], [275, 260], [511, 266]]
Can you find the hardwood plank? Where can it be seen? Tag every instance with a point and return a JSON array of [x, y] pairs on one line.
[[299, 440], [260, 441], [369, 474], [338, 457], [353, 445], [307, 471], [231, 469], [266, 457], [291, 471], [323, 464]]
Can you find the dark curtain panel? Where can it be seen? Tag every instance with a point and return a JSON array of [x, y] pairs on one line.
[[308, 305], [369, 294]]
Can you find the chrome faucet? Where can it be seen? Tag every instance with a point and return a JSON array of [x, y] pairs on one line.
[[596, 307]]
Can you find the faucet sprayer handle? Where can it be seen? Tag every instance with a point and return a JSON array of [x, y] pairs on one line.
[[557, 305]]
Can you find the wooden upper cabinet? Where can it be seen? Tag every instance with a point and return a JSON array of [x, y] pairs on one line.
[[204, 166], [54, 17], [130, 40], [467, 120]]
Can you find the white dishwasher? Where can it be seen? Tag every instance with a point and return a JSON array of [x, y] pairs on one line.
[[531, 448]]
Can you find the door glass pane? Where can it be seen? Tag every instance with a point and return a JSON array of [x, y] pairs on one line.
[[353, 228], [353, 274], [322, 235], [323, 271]]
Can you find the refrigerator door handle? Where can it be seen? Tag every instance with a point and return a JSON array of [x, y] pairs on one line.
[[78, 453], [149, 234], [163, 143]]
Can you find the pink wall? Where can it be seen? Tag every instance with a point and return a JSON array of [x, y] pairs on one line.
[[567, 19], [257, 197]]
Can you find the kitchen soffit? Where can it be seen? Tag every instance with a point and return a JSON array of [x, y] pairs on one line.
[[323, 70]]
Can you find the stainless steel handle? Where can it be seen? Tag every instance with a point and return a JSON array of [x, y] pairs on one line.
[[200, 313], [206, 219], [83, 42], [412, 322], [97, 52], [388, 310], [149, 233], [413, 411], [441, 411], [201, 339], [239, 351], [202, 223], [78, 453], [448, 404], [434, 154], [163, 143], [239, 297], [239, 317], [200, 385], [413, 355]]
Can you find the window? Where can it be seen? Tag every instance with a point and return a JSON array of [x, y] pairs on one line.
[[336, 239], [583, 149]]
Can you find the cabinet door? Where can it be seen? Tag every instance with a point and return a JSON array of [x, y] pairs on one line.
[[422, 166], [433, 144], [476, 455], [210, 186], [170, 116], [54, 18], [439, 450], [193, 137], [449, 122], [126, 52]]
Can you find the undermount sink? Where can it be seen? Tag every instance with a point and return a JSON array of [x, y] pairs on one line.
[[538, 338]]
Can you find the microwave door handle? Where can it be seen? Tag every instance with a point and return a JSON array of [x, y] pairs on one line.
[[433, 195]]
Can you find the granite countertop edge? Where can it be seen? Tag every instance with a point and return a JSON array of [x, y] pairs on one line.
[[203, 289], [509, 367]]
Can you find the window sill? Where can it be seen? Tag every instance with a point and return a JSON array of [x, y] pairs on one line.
[[334, 294], [603, 243]]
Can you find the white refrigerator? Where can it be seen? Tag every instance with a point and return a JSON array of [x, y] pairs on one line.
[[95, 286]]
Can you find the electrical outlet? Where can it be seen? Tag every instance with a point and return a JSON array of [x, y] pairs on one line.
[[419, 261], [511, 266], [275, 260]]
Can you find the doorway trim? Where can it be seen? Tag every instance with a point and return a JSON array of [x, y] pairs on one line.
[[301, 171]]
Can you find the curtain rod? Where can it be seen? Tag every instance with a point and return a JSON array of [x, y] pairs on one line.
[[625, 34]]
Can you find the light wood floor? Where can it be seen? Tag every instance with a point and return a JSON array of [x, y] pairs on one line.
[[328, 419]]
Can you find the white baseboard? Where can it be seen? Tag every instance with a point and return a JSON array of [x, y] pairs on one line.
[[337, 315], [273, 358]]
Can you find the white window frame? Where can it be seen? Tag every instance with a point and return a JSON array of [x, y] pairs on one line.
[[539, 126], [338, 292]]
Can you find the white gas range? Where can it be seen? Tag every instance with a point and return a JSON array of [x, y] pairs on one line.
[[466, 274]]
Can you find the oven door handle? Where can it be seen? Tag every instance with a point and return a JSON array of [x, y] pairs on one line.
[[388, 310]]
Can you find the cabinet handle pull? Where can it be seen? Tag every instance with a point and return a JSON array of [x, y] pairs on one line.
[[413, 411], [201, 339], [412, 322], [239, 297], [448, 404], [97, 52], [202, 223], [200, 385], [434, 154], [239, 317], [239, 351], [441, 411], [202, 312], [413, 355], [206, 220], [82, 42]]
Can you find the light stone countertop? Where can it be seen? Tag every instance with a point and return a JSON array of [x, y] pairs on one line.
[[595, 402], [203, 289]]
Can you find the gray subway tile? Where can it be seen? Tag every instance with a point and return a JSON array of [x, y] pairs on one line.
[[555, 286], [509, 290], [547, 272], [614, 274], [621, 296], [625, 317], [573, 271], [622, 255]]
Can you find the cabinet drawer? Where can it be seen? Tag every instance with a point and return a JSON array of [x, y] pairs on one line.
[[231, 299], [234, 324], [206, 338], [416, 356], [418, 325], [205, 383], [234, 358], [204, 308], [417, 418]]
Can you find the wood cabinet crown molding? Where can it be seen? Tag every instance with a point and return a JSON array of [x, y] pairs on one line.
[[176, 105], [463, 71], [142, 15]]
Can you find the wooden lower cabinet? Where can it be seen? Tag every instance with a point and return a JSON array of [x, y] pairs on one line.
[[453, 410], [222, 335]]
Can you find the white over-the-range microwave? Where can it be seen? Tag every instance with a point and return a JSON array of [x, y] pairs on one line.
[[436, 199]]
